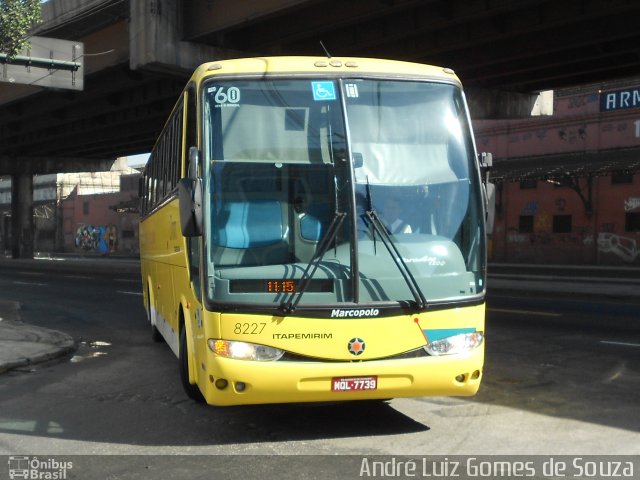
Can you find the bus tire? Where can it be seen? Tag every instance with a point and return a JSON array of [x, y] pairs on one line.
[[192, 391]]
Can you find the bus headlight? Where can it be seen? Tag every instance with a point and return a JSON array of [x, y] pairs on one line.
[[244, 350], [461, 343]]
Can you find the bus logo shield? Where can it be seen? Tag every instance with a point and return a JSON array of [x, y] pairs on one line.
[[356, 346]]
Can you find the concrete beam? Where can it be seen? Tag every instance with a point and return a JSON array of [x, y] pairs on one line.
[[485, 104], [44, 165], [64, 17], [58, 12], [156, 44], [206, 18]]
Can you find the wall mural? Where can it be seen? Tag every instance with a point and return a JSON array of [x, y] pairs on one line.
[[102, 239], [623, 247], [632, 203]]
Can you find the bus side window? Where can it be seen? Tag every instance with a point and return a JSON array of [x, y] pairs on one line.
[[191, 128]]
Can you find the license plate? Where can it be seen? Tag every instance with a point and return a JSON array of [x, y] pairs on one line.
[[353, 384]]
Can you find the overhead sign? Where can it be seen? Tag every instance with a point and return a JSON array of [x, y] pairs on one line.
[[46, 62], [620, 99]]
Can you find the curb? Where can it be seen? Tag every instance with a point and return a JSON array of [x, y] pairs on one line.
[[57, 343], [95, 265], [540, 293]]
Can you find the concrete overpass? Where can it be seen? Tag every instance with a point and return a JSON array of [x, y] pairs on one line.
[[138, 54]]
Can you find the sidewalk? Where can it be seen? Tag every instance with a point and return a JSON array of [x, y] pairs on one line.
[[590, 281], [73, 264], [22, 344]]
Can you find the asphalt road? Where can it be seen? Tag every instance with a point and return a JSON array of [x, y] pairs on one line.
[[562, 377]]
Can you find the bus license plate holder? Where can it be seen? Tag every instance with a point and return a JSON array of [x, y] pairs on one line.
[[354, 384]]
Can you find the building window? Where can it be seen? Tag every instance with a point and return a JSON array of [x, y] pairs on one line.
[[632, 222], [525, 225], [528, 183], [621, 177], [85, 208], [562, 224]]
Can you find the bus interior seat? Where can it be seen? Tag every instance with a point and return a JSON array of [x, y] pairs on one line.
[[250, 232], [314, 222]]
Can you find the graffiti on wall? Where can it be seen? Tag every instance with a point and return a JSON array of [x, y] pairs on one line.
[[531, 208], [542, 223], [631, 203], [572, 135], [582, 101], [623, 247], [101, 239]]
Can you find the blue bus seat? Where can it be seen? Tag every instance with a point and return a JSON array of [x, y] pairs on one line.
[[249, 224], [315, 222]]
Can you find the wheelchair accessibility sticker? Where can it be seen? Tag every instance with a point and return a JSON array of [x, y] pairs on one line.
[[323, 91]]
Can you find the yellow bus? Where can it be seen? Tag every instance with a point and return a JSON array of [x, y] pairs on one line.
[[313, 229]]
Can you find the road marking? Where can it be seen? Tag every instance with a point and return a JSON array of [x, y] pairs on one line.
[[128, 293], [525, 312], [33, 284], [624, 344]]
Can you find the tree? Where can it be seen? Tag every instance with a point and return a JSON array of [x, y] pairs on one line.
[[16, 18]]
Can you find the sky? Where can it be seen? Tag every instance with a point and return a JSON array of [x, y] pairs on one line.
[[137, 160]]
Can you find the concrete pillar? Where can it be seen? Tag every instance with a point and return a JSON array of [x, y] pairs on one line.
[[22, 216]]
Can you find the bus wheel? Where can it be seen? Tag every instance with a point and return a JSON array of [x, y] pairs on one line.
[[192, 391]]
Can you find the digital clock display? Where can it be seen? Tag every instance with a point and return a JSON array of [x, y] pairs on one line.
[[281, 286], [278, 286]]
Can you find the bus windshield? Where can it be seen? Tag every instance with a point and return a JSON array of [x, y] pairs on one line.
[[340, 191]]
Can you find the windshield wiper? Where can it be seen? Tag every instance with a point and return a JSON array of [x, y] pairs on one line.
[[388, 242], [325, 242]]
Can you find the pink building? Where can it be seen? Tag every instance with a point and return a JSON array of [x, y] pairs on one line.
[[103, 223], [568, 185]]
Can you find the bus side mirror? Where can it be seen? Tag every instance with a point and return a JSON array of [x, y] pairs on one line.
[[190, 198], [194, 159], [486, 162], [490, 189]]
